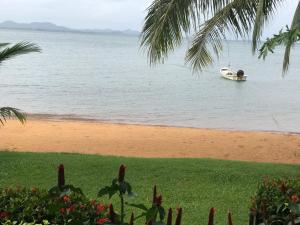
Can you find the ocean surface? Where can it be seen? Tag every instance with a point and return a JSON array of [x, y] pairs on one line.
[[108, 78]]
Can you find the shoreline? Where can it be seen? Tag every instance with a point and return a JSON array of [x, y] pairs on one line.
[[46, 135], [78, 118]]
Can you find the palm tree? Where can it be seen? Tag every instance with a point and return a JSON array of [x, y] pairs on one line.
[[7, 52], [211, 21]]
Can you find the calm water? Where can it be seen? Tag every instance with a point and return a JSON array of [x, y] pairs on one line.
[[108, 78]]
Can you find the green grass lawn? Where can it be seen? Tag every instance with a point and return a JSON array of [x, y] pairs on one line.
[[194, 184]]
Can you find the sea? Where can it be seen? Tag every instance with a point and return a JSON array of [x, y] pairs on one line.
[[108, 78]]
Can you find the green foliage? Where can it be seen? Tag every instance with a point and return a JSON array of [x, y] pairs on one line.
[[9, 112], [197, 184], [287, 38], [169, 21], [277, 202], [66, 204], [34, 206], [8, 52]]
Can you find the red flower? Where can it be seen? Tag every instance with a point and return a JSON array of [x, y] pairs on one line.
[[295, 198], [100, 208], [62, 211], [61, 176], [122, 173], [102, 221], [71, 208], [4, 215], [82, 206], [158, 200], [66, 198]]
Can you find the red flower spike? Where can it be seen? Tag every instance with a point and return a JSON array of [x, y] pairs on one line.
[[154, 194], [158, 200], [211, 216], [169, 220], [61, 176], [131, 219], [111, 213], [179, 216], [229, 219], [121, 173]]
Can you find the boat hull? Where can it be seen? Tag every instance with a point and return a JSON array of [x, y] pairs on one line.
[[231, 75]]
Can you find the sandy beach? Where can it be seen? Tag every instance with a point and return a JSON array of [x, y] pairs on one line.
[[42, 135]]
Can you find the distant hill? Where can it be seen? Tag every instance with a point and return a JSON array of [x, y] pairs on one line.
[[46, 26]]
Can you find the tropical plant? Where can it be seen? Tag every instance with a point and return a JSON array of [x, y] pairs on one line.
[[276, 202], [7, 52], [210, 22]]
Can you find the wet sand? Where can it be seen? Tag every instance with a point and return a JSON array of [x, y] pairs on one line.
[[90, 137]]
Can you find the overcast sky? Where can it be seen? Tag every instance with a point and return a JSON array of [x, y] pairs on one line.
[[114, 14]]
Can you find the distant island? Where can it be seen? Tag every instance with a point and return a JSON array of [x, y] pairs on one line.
[[46, 26]]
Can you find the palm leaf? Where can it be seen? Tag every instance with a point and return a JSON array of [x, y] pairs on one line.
[[293, 38], [18, 49], [168, 20], [9, 112], [236, 17], [265, 9], [3, 45]]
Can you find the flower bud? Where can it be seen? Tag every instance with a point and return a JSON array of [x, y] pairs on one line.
[[111, 213], [154, 194], [211, 216], [229, 219], [169, 221], [121, 173], [131, 219], [61, 176], [179, 215]]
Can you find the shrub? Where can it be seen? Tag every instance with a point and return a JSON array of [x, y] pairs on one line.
[[276, 202], [66, 204]]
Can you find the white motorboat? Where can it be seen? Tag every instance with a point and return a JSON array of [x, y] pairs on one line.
[[232, 75]]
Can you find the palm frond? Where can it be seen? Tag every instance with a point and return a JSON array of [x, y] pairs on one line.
[[265, 9], [292, 39], [18, 49], [236, 17], [168, 20], [9, 112], [3, 45]]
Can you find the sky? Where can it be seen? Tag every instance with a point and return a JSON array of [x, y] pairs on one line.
[[102, 14]]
